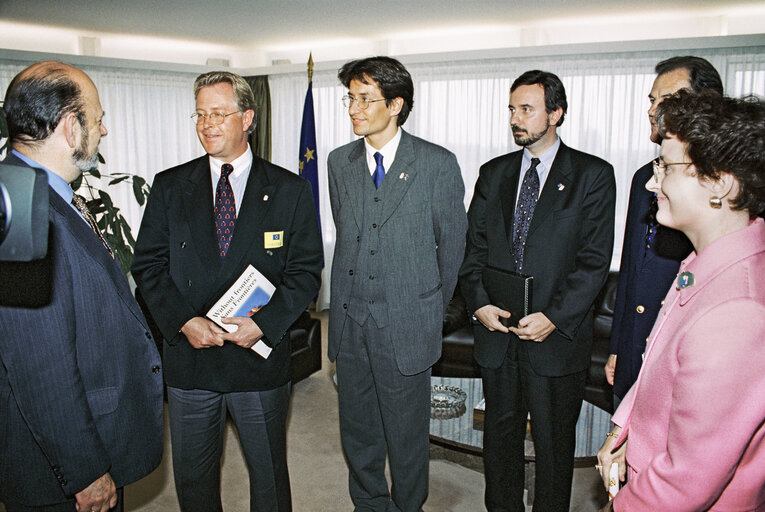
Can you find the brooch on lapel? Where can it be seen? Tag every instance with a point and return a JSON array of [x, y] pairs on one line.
[[265, 197], [403, 176], [561, 186], [684, 280]]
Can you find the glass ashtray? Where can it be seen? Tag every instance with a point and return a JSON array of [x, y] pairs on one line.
[[446, 402]]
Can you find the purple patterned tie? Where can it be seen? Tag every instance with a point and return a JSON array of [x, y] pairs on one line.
[[225, 209], [524, 212]]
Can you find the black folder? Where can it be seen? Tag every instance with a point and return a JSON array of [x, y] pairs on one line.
[[510, 291]]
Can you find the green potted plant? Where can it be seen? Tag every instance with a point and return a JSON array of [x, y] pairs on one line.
[[111, 222]]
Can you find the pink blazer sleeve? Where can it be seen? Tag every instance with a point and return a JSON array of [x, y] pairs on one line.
[[717, 409]]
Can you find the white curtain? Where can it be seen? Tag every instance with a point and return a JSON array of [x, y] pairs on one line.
[[463, 107], [147, 116]]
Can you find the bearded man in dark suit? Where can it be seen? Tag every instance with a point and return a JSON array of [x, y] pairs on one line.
[[548, 212], [80, 379]]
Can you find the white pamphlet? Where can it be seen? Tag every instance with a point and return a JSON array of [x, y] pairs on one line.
[[613, 480], [245, 297]]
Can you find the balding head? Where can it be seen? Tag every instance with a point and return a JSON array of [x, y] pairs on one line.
[[38, 98], [54, 117]]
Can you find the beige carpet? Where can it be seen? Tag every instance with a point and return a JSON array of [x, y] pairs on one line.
[[318, 472]]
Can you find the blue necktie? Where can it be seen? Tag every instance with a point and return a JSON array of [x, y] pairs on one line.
[[379, 173], [524, 211], [225, 209]]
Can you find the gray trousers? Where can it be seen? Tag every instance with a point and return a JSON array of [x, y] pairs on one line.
[[382, 410], [197, 422]]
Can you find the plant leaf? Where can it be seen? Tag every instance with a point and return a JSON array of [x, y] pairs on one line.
[[118, 180], [101, 158], [107, 199], [76, 183], [138, 192]]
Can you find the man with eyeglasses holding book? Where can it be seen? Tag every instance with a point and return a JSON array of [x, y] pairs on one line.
[[397, 202], [205, 222]]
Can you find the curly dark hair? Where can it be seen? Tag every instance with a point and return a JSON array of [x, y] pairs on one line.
[[721, 135], [390, 76]]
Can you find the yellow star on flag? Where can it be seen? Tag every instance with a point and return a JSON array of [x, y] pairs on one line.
[[308, 154]]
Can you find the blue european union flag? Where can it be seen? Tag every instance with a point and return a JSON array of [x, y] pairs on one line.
[[307, 157]]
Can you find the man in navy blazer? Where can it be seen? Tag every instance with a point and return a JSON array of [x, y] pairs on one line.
[[651, 253], [538, 367], [80, 380], [185, 261]]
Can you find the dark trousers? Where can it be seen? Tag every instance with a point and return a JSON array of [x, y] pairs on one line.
[[68, 506], [382, 408], [513, 391], [197, 422]]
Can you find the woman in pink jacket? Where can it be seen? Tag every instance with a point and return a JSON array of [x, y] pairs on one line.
[[692, 427]]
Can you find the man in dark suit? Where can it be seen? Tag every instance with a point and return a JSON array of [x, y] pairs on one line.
[[400, 219], [651, 253], [205, 222], [563, 237], [80, 380]]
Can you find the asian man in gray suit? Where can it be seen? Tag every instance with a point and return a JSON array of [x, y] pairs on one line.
[[397, 201]]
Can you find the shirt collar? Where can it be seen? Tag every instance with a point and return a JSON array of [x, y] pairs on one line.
[[241, 163], [388, 151], [545, 158], [55, 181], [721, 254]]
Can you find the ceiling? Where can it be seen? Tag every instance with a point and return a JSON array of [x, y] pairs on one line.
[[270, 28]]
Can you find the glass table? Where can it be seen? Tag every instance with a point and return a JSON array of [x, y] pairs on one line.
[[459, 437]]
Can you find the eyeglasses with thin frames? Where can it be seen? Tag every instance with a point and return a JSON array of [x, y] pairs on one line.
[[215, 118], [660, 168], [361, 103]]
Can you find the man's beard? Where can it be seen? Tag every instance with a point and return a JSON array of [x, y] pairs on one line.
[[525, 138], [80, 157]]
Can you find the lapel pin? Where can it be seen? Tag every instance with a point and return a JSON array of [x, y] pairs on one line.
[[684, 280], [561, 186], [403, 176], [265, 197]]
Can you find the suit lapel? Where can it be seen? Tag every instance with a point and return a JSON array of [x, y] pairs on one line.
[[509, 191], [556, 186], [84, 236], [400, 176], [198, 205], [354, 178], [258, 198]]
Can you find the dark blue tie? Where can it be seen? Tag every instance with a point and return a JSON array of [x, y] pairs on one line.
[[524, 211], [379, 173], [225, 209]]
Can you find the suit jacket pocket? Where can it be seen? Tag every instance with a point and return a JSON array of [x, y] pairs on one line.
[[430, 292], [567, 213], [102, 401]]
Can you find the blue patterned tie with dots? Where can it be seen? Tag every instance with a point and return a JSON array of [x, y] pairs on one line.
[[524, 211], [225, 209]]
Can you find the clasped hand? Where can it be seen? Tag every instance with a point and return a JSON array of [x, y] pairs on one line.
[[203, 333], [534, 327]]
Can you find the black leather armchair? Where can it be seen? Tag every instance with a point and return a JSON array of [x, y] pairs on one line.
[[457, 350]]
